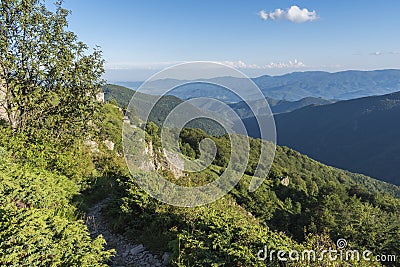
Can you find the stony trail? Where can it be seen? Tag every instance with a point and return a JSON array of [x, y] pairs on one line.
[[127, 253]]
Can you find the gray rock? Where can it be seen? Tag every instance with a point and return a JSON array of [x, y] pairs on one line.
[[165, 257], [138, 249]]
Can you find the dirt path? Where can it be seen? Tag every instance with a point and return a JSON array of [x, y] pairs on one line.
[[127, 253]]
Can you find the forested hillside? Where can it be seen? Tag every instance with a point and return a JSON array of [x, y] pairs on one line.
[[301, 204]]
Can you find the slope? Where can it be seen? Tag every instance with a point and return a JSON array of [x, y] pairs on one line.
[[359, 135]]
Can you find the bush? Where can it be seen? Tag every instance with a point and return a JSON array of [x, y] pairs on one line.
[[38, 237], [38, 225]]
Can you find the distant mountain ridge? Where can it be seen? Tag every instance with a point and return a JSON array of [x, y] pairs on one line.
[[342, 85], [123, 95], [294, 86], [279, 106]]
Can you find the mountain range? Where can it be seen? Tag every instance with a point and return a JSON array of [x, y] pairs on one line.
[[277, 106], [122, 95], [342, 85]]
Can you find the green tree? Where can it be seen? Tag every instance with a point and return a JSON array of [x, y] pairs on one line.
[[49, 80]]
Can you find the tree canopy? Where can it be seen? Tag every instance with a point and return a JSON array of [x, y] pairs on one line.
[[48, 77]]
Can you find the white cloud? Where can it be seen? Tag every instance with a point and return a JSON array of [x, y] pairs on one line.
[[235, 64], [272, 65], [263, 15], [294, 14], [380, 53]]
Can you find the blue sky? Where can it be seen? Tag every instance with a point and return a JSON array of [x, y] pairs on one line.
[[140, 37]]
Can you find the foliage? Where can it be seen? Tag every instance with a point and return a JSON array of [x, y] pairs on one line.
[[38, 224], [38, 237], [48, 87], [367, 225], [111, 125], [223, 234], [48, 80], [219, 234], [73, 161]]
